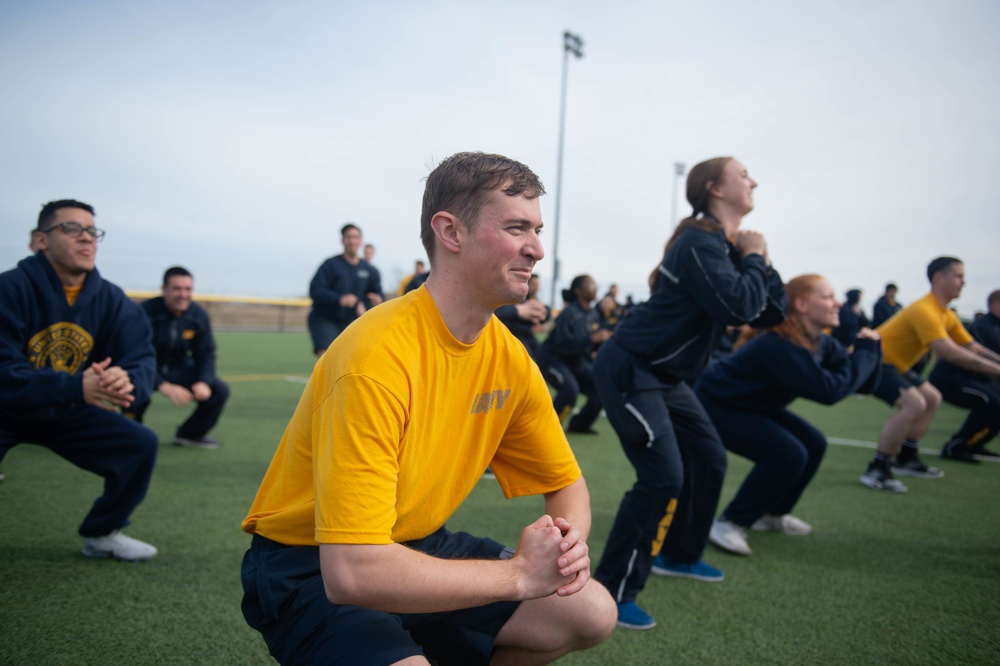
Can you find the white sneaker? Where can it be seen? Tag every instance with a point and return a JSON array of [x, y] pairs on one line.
[[786, 524], [118, 546], [729, 536]]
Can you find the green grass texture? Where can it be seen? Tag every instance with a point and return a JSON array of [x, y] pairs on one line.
[[884, 578]]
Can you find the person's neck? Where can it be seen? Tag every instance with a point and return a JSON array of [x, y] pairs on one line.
[[941, 298], [729, 219], [352, 259], [452, 298], [70, 280], [584, 304]]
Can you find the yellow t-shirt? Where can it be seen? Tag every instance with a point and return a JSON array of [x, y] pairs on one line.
[[397, 424], [907, 335]]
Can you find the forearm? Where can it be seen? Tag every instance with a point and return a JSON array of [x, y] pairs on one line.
[[573, 504], [397, 579], [985, 352], [969, 360]]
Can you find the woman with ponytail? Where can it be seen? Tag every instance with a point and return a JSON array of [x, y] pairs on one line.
[[747, 394], [566, 356], [712, 275]]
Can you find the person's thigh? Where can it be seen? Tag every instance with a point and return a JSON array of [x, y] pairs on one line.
[[285, 600]]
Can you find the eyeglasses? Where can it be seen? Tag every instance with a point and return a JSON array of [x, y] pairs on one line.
[[73, 230]]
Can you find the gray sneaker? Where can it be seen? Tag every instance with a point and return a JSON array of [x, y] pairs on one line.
[[118, 546], [881, 479], [730, 537]]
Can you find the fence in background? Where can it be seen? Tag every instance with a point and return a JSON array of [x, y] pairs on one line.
[[237, 313]]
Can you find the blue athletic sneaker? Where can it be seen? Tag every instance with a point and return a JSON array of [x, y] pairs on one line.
[[664, 566], [631, 616]]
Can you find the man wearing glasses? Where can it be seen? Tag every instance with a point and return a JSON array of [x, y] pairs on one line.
[[74, 350]]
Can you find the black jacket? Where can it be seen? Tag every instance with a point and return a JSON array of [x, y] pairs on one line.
[[184, 344], [704, 286]]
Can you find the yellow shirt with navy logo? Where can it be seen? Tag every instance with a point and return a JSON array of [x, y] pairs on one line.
[[907, 335], [397, 424]]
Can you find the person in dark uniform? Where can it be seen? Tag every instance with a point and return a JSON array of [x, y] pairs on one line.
[[526, 318], [712, 275], [185, 359], [566, 357], [747, 395], [852, 319], [74, 349], [886, 306], [343, 289], [974, 391]]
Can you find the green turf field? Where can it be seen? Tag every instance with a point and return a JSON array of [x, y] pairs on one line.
[[891, 579]]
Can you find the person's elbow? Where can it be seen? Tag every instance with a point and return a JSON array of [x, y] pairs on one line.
[[343, 577]]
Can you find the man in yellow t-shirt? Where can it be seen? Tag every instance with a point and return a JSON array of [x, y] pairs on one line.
[[926, 324], [350, 559]]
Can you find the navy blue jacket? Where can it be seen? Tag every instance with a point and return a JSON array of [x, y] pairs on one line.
[[883, 311], [986, 331], [850, 321], [704, 286], [521, 328], [570, 340], [184, 345], [46, 344], [768, 372], [335, 278]]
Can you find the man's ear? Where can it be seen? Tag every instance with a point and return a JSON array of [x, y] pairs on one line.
[[40, 240], [448, 229]]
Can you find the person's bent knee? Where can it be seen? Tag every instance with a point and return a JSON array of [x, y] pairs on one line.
[[602, 620], [931, 396], [912, 401]]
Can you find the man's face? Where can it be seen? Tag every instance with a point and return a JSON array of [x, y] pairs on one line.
[[352, 242], [951, 280], [70, 257], [503, 247], [177, 293], [369, 253]]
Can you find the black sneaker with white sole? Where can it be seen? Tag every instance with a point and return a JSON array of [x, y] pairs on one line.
[[914, 466]]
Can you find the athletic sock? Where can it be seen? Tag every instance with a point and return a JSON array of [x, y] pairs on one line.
[[908, 451], [882, 458]]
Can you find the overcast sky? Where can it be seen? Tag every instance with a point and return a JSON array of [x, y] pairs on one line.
[[236, 138]]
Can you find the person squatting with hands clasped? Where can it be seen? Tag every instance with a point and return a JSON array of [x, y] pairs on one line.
[[350, 560], [713, 274], [74, 350]]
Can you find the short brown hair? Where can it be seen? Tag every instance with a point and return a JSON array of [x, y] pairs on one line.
[[460, 185]]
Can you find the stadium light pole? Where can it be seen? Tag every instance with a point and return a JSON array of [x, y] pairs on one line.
[[571, 44], [679, 169]]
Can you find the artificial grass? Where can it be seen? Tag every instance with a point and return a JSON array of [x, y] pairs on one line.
[[897, 579]]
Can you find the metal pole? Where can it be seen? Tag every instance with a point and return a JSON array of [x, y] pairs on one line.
[[571, 44], [678, 172]]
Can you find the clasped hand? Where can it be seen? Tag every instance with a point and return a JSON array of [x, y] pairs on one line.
[[552, 558]]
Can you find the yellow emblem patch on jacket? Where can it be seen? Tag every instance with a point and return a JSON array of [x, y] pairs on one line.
[[63, 346]]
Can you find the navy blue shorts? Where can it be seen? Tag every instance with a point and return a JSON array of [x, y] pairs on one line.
[[892, 382], [285, 601]]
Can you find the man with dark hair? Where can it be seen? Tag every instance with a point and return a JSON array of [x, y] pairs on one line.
[[73, 351], [926, 324], [350, 560], [343, 289], [185, 359], [975, 390], [886, 306]]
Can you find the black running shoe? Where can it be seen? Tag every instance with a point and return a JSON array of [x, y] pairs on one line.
[[956, 449]]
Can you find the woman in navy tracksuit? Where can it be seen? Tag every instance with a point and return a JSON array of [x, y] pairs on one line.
[[565, 358], [746, 394], [712, 275]]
